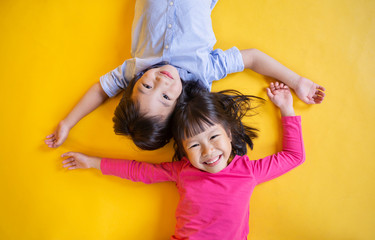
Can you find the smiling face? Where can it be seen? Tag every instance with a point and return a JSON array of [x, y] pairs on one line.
[[157, 91], [209, 150]]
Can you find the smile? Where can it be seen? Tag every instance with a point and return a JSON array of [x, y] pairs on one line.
[[213, 162], [168, 74]]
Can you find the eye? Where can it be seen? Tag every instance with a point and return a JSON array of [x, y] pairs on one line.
[[214, 136], [194, 145], [166, 97], [146, 86]]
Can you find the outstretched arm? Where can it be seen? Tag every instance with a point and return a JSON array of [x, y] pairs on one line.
[[308, 91], [76, 160], [128, 169], [93, 98]]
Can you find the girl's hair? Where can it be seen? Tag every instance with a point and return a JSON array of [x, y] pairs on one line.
[[201, 109], [147, 132]]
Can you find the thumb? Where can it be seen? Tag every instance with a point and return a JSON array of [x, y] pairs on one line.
[[269, 93], [309, 100], [58, 142], [68, 154]]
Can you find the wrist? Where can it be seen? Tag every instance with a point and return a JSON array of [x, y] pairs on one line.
[[65, 123], [295, 82], [287, 111], [95, 162]]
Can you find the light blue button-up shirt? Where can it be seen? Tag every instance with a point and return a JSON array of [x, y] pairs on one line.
[[180, 33]]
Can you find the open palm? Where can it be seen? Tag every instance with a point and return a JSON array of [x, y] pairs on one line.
[[280, 95]]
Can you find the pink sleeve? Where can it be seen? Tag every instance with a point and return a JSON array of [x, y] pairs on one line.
[[292, 155], [140, 171]]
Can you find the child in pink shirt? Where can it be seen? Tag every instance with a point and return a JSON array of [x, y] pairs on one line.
[[213, 174]]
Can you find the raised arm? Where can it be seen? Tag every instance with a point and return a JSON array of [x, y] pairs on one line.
[[308, 91], [93, 98], [293, 152]]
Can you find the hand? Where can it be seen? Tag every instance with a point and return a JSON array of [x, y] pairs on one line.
[[280, 95], [309, 92], [57, 138], [77, 160]]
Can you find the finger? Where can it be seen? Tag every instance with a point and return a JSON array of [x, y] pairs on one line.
[[308, 100], [317, 101], [281, 85], [311, 101], [58, 142], [277, 85], [48, 142], [318, 98], [321, 88], [51, 135], [68, 160], [320, 93], [72, 168], [269, 93], [68, 154], [69, 165], [272, 85]]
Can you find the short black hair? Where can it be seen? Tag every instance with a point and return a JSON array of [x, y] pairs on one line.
[[147, 132], [202, 108]]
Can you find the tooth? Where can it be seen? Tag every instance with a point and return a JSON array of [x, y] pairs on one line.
[[213, 160]]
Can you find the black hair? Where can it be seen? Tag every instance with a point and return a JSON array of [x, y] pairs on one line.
[[201, 109], [147, 132]]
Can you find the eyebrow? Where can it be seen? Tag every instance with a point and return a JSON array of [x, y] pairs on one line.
[[209, 133]]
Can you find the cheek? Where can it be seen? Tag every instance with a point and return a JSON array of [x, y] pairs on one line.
[[193, 158], [177, 88], [226, 146]]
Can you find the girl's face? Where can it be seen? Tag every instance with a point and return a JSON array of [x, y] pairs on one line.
[[158, 90], [210, 150]]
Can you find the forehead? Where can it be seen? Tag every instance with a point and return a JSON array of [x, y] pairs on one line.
[[195, 127], [206, 131]]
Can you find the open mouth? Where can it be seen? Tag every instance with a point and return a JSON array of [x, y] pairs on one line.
[[214, 161], [168, 74]]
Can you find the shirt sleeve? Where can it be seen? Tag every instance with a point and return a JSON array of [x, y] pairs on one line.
[[221, 63], [292, 155], [117, 80], [140, 171]]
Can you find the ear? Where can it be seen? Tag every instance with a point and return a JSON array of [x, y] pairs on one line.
[[229, 133]]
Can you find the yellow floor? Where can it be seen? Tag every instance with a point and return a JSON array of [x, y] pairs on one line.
[[53, 51]]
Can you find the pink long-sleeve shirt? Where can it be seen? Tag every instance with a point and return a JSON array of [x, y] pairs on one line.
[[216, 205]]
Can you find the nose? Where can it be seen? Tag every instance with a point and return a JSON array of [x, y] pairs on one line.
[[207, 149], [161, 79]]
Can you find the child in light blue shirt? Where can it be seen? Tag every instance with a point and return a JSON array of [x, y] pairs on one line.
[[172, 42]]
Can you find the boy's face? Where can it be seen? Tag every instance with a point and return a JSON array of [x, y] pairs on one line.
[[157, 91], [210, 150]]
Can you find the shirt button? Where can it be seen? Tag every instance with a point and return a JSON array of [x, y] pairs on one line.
[[166, 46], [171, 3], [169, 25]]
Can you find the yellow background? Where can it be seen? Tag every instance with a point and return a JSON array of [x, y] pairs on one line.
[[51, 52]]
